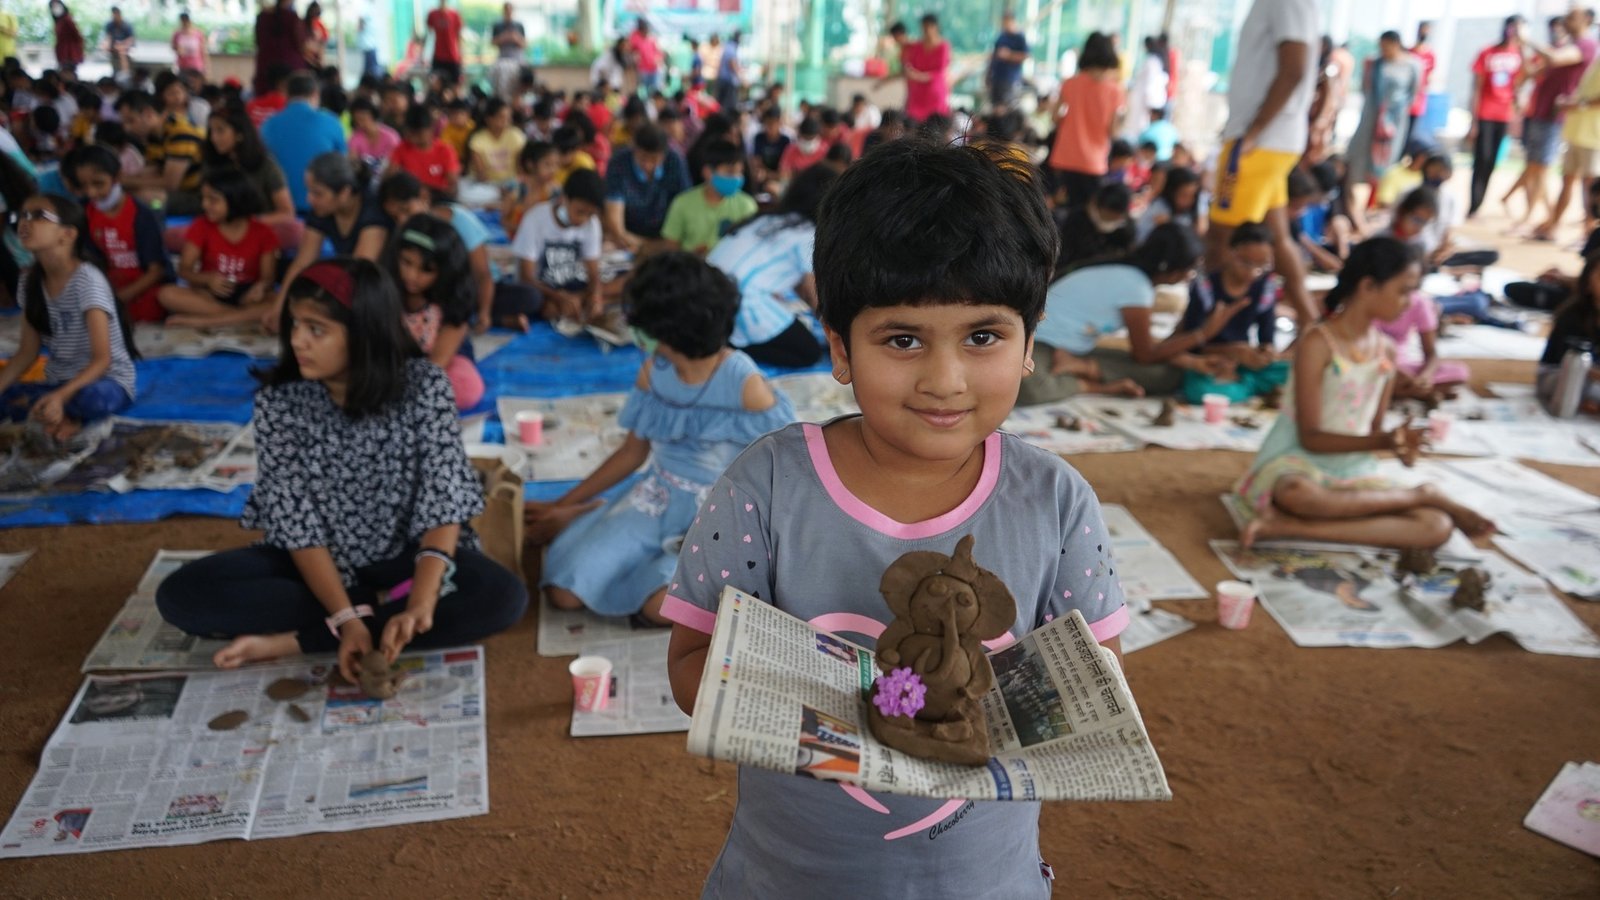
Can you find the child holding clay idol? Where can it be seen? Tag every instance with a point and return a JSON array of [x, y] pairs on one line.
[[1315, 477], [932, 264], [363, 492], [696, 404]]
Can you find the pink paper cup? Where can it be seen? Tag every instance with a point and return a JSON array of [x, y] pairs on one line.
[[591, 683], [530, 428], [1439, 426], [1235, 601], [1216, 407]]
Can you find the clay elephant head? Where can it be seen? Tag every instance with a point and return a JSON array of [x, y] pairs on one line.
[[919, 585]]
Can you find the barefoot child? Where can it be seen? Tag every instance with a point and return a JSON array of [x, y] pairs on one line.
[[127, 233], [363, 488], [696, 405], [230, 260], [1313, 479], [429, 264], [810, 517], [1421, 373], [69, 310]]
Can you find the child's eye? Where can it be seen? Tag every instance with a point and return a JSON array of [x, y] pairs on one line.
[[904, 342], [984, 338]]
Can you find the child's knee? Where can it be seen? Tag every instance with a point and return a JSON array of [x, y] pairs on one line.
[[561, 598], [1295, 496], [465, 381], [1434, 527]]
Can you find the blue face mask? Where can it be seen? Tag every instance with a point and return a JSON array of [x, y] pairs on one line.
[[639, 171], [727, 185], [564, 220]]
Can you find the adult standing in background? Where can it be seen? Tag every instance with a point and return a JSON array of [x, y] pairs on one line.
[[445, 23], [646, 56], [368, 44], [1005, 63], [510, 39], [1269, 101], [119, 42], [189, 45], [69, 40], [1086, 113], [1148, 91], [927, 64], [280, 45], [1496, 74], [730, 75], [1564, 70], [1422, 52], [8, 34], [1388, 87], [316, 35], [1334, 69]]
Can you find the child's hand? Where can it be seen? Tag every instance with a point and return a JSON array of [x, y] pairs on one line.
[[354, 641], [1408, 442], [221, 286], [404, 628], [1219, 367], [543, 521], [1221, 315], [50, 410]]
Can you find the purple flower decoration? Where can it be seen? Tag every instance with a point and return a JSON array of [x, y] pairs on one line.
[[899, 693]]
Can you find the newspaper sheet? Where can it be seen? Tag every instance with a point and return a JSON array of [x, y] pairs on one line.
[[156, 341], [1570, 566], [641, 696], [579, 433], [1566, 810], [1494, 486], [11, 563], [1153, 627], [565, 632], [138, 639], [1489, 342], [780, 695], [1515, 427], [140, 761], [1328, 598], [817, 397], [137, 453], [1057, 428], [1149, 570], [1244, 428]]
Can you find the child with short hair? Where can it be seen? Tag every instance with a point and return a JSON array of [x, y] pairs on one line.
[[558, 249], [570, 155], [371, 141], [229, 259], [1315, 477], [537, 171], [429, 264], [809, 514], [424, 155], [492, 149], [364, 487], [1246, 340], [67, 309], [700, 216], [458, 126], [127, 232], [696, 404]]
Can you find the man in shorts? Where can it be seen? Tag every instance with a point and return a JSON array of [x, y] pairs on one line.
[[1568, 75], [1268, 123]]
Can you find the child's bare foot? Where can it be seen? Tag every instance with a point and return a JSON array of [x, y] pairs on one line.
[[255, 648], [1262, 527], [1122, 387], [65, 430], [517, 322], [1470, 521], [1346, 592]]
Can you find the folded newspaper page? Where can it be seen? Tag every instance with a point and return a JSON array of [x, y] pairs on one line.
[[780, 695], [160, 759]]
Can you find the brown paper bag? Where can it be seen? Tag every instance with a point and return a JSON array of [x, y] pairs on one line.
[[500, 525]]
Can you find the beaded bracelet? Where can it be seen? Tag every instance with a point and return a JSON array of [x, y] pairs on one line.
[[446, 585]]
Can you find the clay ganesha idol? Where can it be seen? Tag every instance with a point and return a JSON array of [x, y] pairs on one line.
[[927, 702]]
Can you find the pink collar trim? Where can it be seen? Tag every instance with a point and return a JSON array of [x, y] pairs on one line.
[[877, 521]]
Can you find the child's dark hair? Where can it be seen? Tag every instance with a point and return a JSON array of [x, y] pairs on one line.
[[237, 191], [1250, 233], [418, 120], [1374, 259], [534, 151], [1441, 160], [248, 151], [1423, 199], [90, 156], [46, 119], [1170, 247], [35, 308], [682, 301], [797, 206], [1120, 149], [334, 171], [399, 187], [567, 139], [454, 291], [377, 341], [1301, 185], [362, 104], [1098, 53], [585, 185], [1581, 315], [1178, 178], [1113, 197], [916, 222], [839, 153], [719, 154]]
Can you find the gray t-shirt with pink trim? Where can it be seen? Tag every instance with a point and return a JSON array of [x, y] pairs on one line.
[[781, 526]]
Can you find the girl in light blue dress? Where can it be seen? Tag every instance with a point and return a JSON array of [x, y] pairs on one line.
[[696, 405]]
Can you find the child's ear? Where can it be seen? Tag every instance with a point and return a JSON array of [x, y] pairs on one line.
[[838, 355]]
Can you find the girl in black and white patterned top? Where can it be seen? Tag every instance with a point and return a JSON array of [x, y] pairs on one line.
[[363, 487]]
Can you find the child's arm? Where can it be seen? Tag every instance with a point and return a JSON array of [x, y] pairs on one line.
[[1310, 367], [481, 276], [189, 267], [426, 580], [269, 275], [544, 521], [686, 660], [317, 569], [447, 343], [1145, 349], [595, 294], [1430, 359], [51, 408], [153, 273], [370, 242]]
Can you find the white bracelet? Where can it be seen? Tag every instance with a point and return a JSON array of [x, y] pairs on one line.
[[349, 613]]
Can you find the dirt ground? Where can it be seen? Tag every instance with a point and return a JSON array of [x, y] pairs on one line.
[[1295, 772]]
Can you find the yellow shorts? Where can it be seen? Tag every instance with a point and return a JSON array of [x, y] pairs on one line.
[[1251, 185]]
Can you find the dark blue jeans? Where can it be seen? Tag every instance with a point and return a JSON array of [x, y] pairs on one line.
[[95, 402]]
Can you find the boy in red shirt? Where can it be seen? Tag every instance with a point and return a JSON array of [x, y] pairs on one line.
[[123, 229], [424, 155], [445, 23], [229, 259], [1496, 75]]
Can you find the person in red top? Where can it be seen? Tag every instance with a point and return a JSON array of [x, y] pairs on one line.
[[422, 153], [229, 259], [804, 152], [926, 64], [127, 233], [280, 44], [1426, 59], [445, 23], [69, 40], [646, 57], [266, 104], [1092, 100], [1174, 64], [1496, 75], [1564, 68]]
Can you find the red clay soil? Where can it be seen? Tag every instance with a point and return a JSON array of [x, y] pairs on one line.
[[1295, 772]]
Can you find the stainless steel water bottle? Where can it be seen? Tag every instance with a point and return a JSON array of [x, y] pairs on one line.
[[1572, 380]]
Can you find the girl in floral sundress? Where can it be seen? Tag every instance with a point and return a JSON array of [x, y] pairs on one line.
[[1315, 477]]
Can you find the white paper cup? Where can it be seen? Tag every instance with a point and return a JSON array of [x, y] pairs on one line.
[[530, 428], [1216, 406], [1235, 601], [1439, 425], [591, 683]]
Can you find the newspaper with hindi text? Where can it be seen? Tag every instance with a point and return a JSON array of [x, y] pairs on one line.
[[1063, 725]]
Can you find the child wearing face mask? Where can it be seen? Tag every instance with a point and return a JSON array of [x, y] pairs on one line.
[[1100, 229], [696, 405], [429, 264], [1245, 340], [124, 229], [805, 151], [700, 216]]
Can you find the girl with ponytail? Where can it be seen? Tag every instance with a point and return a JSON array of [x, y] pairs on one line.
[[1314, 478]]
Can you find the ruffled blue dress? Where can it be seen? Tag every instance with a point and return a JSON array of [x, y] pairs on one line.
[[615, 557]]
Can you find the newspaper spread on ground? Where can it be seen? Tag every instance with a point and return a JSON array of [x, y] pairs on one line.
[[138, 639], [565, 632], [1515, 427], [1059, 429], [780, 695], [641, 696], [11, 563], [1569, 809], [817, 397], [1488, 342], [579, 433], [1350, 598], [160, 759], [1152, 627], [1149, 570], [136, 454], [1244, 429], [156, 341], [1494, 486]]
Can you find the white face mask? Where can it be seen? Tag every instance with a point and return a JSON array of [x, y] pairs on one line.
[[110, 201], [809, 145]]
